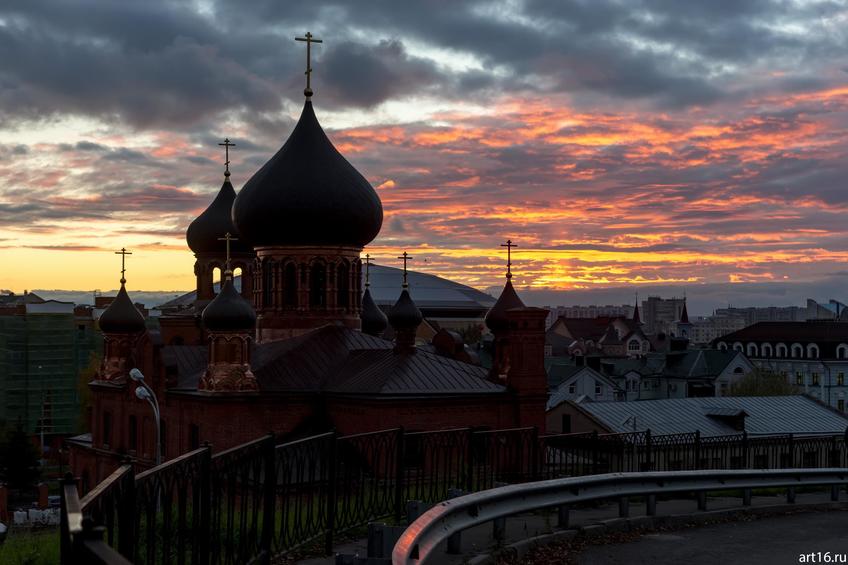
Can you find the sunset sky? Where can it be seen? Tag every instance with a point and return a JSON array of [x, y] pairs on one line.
[[621, 144]]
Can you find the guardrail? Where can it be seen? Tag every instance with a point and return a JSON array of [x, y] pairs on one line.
[[81, 541], [419, 542]]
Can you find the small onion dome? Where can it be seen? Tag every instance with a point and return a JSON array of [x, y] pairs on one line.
[[496, 319], [121, 317], [229, 311], [204, 233], [374, 321], [308, 194], [405, 315]]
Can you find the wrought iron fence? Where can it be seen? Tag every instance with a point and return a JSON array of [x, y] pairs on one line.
[[261, 499]]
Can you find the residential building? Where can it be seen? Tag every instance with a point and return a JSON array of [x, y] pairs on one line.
[[660, 315], [593, 311]]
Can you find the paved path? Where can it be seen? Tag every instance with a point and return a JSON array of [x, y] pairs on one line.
[[772, 541]]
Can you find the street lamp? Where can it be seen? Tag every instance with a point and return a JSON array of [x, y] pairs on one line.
[[144, 392]]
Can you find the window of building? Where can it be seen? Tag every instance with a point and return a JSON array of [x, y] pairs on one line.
[[290, 287], [566, 423], [840, 379], [193, 437], [572, 388], [599, 389], [267, 282], [815, 377], [107, 429], [318, 285], [342, 285], [799, 378], [132, 431], [840, 405], [634, 346]]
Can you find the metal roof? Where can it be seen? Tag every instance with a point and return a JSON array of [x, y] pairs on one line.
[[767, 415], [823, 331]]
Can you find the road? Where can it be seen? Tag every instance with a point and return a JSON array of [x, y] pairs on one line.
[[771, 541]]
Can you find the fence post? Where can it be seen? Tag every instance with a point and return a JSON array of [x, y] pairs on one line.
[[649, 464], [791, 451], [332, 499], [595, 442], [127, 514], [399, 502], [697, 463], [270, 498], [469, 462], [745, 450], [202, 536], [534, 455]]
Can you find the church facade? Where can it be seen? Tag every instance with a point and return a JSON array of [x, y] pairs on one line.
[[300, 348]]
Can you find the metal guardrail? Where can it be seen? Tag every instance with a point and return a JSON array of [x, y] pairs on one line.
[[419, 542]]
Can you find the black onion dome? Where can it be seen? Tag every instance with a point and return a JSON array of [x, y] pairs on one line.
[[374, 321], [496, 319], [308, 194], [204, 233], [229, 311], [405, 315], [121, 317]]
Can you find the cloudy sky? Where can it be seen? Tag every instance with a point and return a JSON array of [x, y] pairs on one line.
[[629, 143]]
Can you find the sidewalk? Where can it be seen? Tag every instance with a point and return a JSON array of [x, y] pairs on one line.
[[478, 540]]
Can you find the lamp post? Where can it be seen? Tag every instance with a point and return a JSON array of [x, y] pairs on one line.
[[144, 392]]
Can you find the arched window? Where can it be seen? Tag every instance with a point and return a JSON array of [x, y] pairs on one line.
[[842, 351], [765, 350], [290, 285], [237, 278], [780, 350], [752, 350], [813, 351], [738, 347], [267, 282], [318, 285], [216, 278], [633, 346], [722, 346], [797, 351], [343, 285]]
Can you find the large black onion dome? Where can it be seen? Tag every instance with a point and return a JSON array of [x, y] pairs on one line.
[[496, 319], [405, 315], [308, 194], [229, 311], [204, 233], [374, 321], [121, 317]]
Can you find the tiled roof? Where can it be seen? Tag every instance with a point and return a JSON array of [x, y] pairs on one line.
[[820, 331], [766, 415], [344, 361]]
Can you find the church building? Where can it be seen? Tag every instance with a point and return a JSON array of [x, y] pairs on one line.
[[299, 348]]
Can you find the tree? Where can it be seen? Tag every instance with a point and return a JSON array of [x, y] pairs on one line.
[[762, 382], [20, 460], [471, 333]]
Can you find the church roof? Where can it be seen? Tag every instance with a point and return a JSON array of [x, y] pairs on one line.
[[339, 360], [308, 194], [229, 311], [204, 233], [121, 316], [374, 321], [496, 319]]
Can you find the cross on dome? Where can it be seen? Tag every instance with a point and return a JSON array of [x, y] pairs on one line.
[[309, 39], [406, 257], [509, 245], [123, 253], [226, 145]]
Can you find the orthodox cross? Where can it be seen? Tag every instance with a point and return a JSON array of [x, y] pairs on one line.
[[405, 258], [367, 270], [228, 238], [123, 253], [309, 41], [509, 245], [226, 145]]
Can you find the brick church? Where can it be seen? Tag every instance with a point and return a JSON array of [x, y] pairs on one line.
[[301, 348]]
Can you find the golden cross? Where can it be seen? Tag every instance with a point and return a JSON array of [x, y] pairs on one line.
[[509, 245], [309, 41], [228, 238], [226, 145], [406, 257], [123, 253], [367, 270]]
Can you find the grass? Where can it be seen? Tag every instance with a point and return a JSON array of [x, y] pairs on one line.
[[30, 547]]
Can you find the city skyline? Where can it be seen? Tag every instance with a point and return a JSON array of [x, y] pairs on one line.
[[648, 145]]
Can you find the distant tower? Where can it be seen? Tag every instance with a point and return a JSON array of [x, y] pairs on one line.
[[230, 322], [636, 319], [203, 238], [684, 327], [308, 213], [122, 326], [405, 317], [498, 322]]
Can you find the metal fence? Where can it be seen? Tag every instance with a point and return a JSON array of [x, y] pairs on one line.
[[262, 499]]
